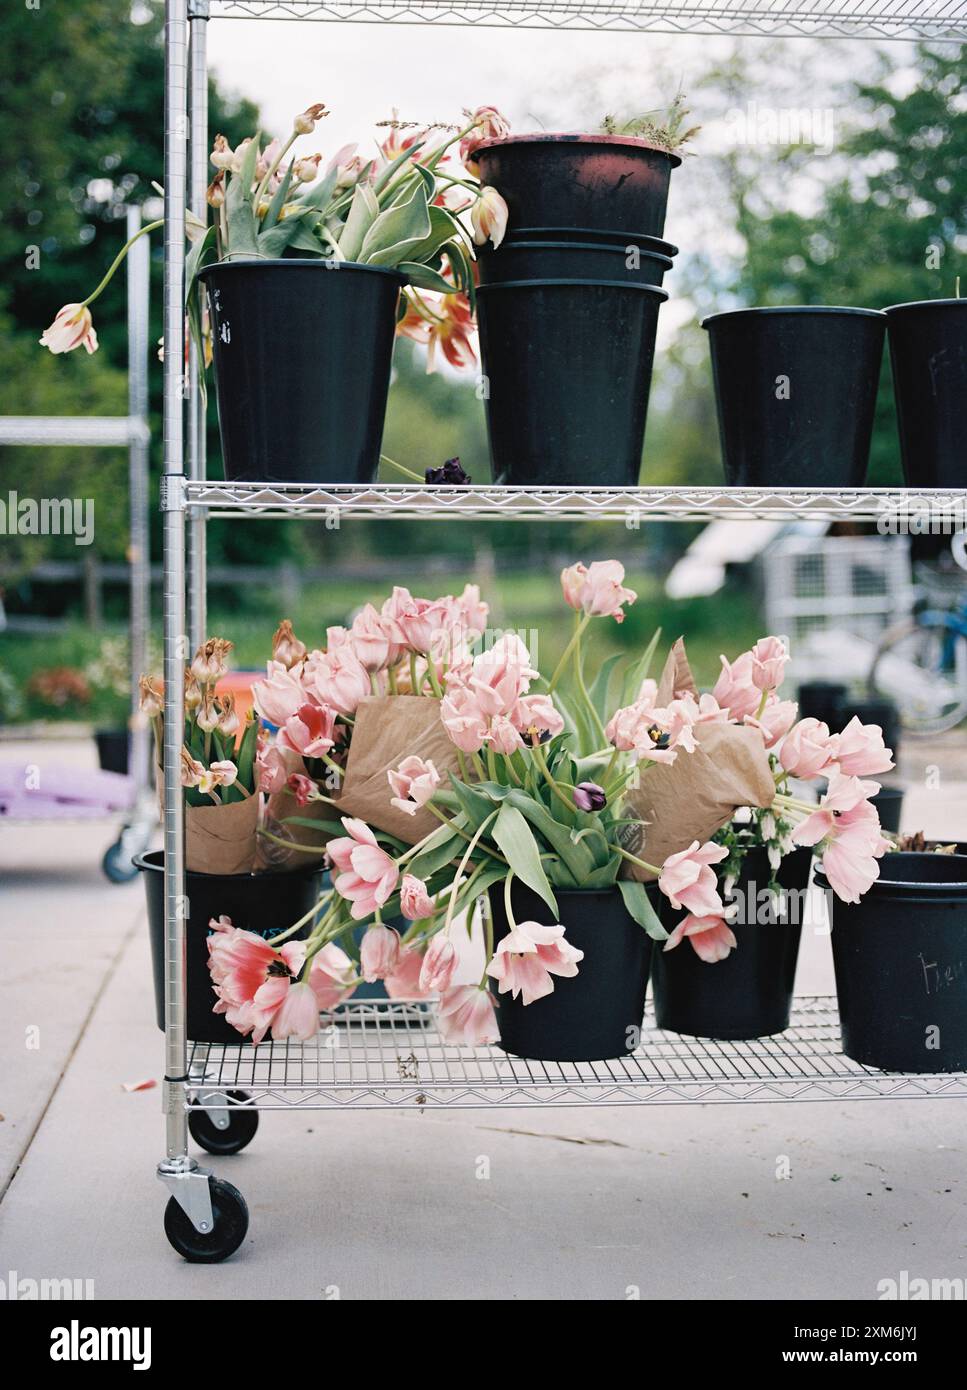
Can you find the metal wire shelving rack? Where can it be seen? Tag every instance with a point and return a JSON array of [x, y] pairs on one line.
[[389, 1055]]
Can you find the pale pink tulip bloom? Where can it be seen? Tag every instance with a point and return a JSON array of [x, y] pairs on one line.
[[466, 1016], [776, 719], [337, 677], [281, 695], [535, 715], [488, 217], [274, 766], [329, 975], [688, 881], [846, 828], [859, 751], [404, 980], [490, 125], [807, 749], [473, 609], [72, 328], [371, 641], [712, 939], [297, 1015], [528, 956], [379, 952], [414, 782], [598, 590], [769, 657], [439, 964], [311, 731], [415, 902], [463, 719], [734, 689]]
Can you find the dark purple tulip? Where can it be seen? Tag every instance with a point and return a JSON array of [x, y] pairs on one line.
[[451, 472], [588, 796]]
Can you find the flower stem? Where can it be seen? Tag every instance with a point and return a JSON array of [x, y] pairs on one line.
[[149, 227], [580, 623], [407, 472], [633, 859]]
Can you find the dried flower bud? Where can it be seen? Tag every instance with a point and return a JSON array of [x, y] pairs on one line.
[[304, 170], [286, 647], [192, 692], [215, 195], [223, 155], [208, 664], [207, 716], [305, 122], [228, 720], [152, 696]]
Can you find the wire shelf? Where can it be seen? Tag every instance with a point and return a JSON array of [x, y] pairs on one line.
[[629, 505], [379, 1056], [937, 20]]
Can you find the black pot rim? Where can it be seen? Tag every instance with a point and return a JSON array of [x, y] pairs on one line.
[[618, 248], [641, 239], [576, 138], [773, 309], [143, 861], [656, 290], [297, 262], [915, 305], [887, 887]]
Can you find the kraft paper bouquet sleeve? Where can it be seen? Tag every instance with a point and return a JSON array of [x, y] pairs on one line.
[[693, 797], [222, 839], [388, 729]]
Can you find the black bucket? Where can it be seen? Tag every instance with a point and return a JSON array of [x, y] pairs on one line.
[[821, 700], [901, 965], [597, 237], [928, 355], [112, 750], [303, 351], [608, 182], [568, 369], [795, 391], [563, 260], [749, 994], [889, 807], [597, 1014], [262, 903]]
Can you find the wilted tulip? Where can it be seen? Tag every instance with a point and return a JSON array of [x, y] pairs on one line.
[[305, 122], [72, 328]]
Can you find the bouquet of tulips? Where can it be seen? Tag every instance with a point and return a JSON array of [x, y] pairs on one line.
[[219, 764]]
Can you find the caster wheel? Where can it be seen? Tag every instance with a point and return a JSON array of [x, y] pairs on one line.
[[230, 1216], [242, 1124], [117, 867]]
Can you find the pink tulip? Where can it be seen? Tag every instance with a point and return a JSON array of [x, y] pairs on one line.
[[688, 881], [371, 641], [311, 731], [439, 965], [859, 751], [489, 125], [298, 1014], [337, 677], [414, 783], [776, 719], [463, 719], [807, 749], [367, 874], [415, 902], [274, 765], [769, 657], [654, 735], [503, 737], [404, 980], [537, 715], [379, 952], [488, 217], [72, 328], [466, 1016], [329, 975], [281, 695], [598, 590], [735, 690], [473, 610], [711, 938], [847, 830], [413, 622], [528, 956], [302, 788], [250, 978]]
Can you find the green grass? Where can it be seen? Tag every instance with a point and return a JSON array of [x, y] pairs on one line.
[[529, 603]]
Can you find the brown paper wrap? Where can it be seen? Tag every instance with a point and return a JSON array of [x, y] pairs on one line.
[[693, 797], [388, 729], [278, 806], [221, 839]]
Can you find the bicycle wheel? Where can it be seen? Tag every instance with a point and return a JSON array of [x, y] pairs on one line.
[[921, 665]]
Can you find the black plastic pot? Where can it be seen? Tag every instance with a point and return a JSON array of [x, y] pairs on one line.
[[609, 182], [796, 390], [568, 367], [596, 236], [822, 700], [748, 995], [262, 903], [112, 750], [928, 355], [302, 357], [901, 965], [562, 260], [889, 807], [597, 1014]]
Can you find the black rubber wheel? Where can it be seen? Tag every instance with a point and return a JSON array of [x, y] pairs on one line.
[[116, 868], [242, 1124], [230, 1218]]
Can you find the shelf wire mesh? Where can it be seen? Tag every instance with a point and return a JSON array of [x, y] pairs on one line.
[[374, 1056]]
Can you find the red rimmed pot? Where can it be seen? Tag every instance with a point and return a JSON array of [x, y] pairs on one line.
[[749, 994], [605, 182], [795, 390], [900, 955], [262, 903], [303, 351], [928, 356], [568, 366], [562, 260], [596, 1015]]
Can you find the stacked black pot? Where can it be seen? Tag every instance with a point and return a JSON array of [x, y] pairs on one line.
[[568, 305]]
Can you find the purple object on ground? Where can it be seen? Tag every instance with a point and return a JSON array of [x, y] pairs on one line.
[[32, 791]]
